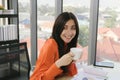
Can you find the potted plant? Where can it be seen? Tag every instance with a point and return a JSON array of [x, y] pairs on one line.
[[1, 9]]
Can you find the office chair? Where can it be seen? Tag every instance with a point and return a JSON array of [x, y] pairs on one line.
[[14, 61]]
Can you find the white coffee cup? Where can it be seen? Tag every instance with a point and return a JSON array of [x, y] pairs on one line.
[[77, 53]]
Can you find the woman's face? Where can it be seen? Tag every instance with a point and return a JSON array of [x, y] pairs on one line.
[[69, 31]]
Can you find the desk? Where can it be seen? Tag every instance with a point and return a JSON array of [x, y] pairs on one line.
[[64, 78], [113, 74]]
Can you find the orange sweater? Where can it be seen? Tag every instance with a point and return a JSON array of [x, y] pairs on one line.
[[46, 68]]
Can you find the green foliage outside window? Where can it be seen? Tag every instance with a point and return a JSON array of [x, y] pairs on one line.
[[83, 36]]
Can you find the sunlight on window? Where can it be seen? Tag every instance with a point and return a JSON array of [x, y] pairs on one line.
[[108, 37], [46, 15], [81, 9]]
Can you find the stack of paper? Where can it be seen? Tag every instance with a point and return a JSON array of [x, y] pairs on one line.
[[94, 71], [90, 73]]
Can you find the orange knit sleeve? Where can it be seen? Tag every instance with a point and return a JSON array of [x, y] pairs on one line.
[[72, 69], [45, 66]]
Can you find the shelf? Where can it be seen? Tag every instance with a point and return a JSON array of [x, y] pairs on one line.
[[9, 22], [9, 41], [9, 35], [8, 15]]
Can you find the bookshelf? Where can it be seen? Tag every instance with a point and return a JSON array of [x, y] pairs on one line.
[[9, 22], [9, 34]]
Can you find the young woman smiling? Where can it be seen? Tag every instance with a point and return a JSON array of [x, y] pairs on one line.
[[55, 58]]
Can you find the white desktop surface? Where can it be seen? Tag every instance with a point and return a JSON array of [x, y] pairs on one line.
[[112, 73]]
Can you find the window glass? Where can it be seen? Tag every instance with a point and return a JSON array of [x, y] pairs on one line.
[[81, 9], [45, 20], [24, 22], [108, 33]]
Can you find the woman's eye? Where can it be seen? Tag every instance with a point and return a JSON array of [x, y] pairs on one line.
[[65, 27], [73, 27]]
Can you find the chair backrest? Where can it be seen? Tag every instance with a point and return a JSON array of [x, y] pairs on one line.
[[15, 58]]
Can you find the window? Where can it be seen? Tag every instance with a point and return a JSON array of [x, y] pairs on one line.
[[108, 37], [45, 20], [81, 9], [24, 22]]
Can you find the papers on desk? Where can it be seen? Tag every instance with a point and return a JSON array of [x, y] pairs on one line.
[[90, 73], [94, 71]]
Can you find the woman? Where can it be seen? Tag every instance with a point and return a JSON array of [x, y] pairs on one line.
[[55, 58]]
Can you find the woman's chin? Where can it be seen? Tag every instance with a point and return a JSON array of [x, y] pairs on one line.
[[67, 41]]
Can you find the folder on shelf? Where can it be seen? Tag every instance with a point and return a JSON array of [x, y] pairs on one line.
[[8, 32], [1, 33]]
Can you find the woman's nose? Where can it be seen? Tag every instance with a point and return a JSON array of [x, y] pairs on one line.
[[69, 31]]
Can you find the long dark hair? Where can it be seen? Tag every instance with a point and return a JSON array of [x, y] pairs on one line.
[[57, 30]]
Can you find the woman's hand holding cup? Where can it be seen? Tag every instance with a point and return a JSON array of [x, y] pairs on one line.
[[65, 60]]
